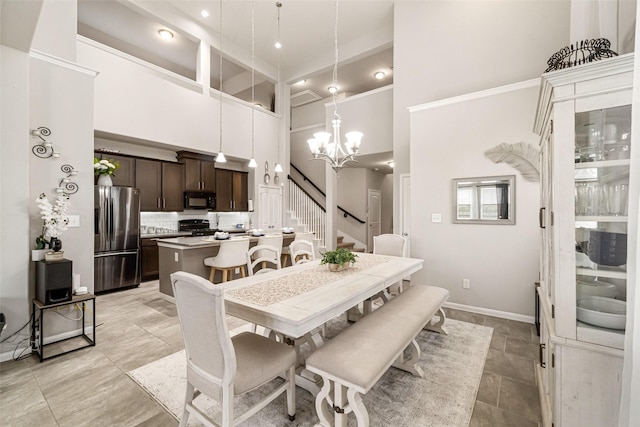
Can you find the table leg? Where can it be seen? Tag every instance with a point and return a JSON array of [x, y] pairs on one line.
[[340, 404]]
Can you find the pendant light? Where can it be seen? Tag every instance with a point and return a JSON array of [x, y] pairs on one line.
[[220, 157], [335, 153], [278, 44], [252, 162]]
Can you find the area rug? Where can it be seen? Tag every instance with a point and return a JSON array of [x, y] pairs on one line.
[[445, 397]]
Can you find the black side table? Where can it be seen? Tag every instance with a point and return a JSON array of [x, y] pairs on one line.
[[37, 326]]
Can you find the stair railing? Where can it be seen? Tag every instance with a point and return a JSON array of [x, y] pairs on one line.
[[345, 213], [307, 211]]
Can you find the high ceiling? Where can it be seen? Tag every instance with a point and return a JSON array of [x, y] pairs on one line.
[[365, 43], [365, 36]]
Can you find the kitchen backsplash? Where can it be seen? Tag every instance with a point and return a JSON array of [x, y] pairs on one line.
[[169, 220]]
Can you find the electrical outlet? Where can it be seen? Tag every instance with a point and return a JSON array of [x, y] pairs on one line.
[[175, 256], [466, 284], [436, 217]]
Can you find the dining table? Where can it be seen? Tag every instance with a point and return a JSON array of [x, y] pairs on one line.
[[295, 302]]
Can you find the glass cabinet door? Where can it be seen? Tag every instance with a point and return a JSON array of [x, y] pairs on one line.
[[602, 163]]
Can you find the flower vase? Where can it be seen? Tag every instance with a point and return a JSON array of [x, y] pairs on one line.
[[55, 244], [105, 180], [338, 267]]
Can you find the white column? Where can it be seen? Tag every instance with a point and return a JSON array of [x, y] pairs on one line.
[[203, 66], [331, 233]]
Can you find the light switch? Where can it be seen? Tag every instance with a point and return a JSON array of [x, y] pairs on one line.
[[74, 220], [436, 217]]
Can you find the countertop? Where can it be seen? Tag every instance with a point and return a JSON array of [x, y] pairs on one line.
[[164, 235], [204, 241]]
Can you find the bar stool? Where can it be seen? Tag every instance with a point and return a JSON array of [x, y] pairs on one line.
[[231, 255]]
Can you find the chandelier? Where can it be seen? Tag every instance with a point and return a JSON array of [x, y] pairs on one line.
[[335, 153]]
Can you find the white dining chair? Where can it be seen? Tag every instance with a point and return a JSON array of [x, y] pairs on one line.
[[223, 367], [301, 251], [286, 255], [231, 255], [387, 244], [394, 245], [267, 257], [274, 240], [390, 244]]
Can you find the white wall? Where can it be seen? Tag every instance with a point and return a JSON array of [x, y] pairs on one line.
[[443, 49], [59, 18], [15, 240], [137, 100], [61, 99], [38, 90], [500, 260]]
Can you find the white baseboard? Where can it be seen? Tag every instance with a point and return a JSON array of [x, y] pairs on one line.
[[491, 312], [6, 356]]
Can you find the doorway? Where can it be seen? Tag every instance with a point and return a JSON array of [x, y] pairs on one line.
[[374, 213]]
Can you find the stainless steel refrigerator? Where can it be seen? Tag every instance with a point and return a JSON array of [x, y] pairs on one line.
[[116, 238]]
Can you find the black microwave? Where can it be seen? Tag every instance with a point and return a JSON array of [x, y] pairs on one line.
[[199, 200]]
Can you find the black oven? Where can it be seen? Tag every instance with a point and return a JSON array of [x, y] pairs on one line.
[[199, 200]]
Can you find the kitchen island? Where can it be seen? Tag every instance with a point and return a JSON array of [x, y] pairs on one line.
[[188, 254]]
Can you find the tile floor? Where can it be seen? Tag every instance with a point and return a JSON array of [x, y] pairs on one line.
[[134, 327]]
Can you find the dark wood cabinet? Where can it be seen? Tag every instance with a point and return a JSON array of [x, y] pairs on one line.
[[124, 176], [199, 175], [240, 191], [232, 192], [172, 186], [149, 182], [150, 267], [199, 171], [161, 185]]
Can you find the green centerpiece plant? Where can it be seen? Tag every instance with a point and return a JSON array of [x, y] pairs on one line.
[[339, 259]]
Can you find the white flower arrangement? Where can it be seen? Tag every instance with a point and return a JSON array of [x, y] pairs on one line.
[[104, 167], [54, 217]]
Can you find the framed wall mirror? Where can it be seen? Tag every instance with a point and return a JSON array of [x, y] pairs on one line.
[[484, 200]]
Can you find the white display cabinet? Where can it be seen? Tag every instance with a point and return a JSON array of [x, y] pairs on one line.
[[584, 119]]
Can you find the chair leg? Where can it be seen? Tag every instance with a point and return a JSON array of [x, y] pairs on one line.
[[224, 275], [211, 274], [227, 408], [187, 401], [244, 274]]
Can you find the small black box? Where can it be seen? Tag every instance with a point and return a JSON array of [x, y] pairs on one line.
[[53, 281]]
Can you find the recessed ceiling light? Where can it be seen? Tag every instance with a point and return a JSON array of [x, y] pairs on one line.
[[379, 75], [391, 164], [165, 34], [300, 82], [332, 89], [278, 45], [204, 13]]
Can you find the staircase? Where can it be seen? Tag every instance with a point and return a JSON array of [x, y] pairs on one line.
[[348, 245], [306, 214]]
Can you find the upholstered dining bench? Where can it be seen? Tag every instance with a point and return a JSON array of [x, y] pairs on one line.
[[356, 358]]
